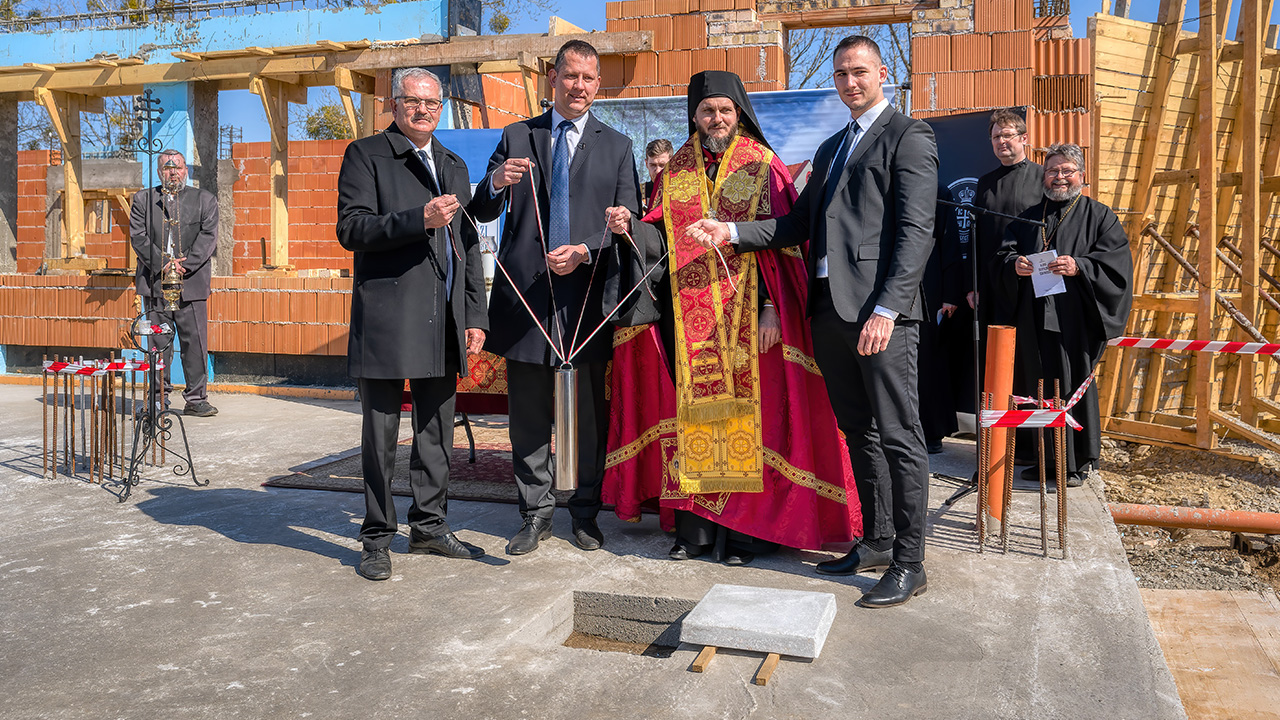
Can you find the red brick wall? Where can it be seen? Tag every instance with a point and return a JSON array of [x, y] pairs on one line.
[[313, 205], [33, 167]]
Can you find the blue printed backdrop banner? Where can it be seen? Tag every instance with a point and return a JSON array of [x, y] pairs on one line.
[[794, 121]]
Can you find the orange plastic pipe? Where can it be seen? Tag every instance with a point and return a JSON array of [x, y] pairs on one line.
[[999, 382], [1196, 518]]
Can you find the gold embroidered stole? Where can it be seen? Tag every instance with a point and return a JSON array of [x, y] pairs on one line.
[[717, 367]]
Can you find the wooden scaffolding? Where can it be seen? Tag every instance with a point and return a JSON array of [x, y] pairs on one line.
[[1188, 156]]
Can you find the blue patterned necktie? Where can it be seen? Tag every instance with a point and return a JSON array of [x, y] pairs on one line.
[[560, 188]]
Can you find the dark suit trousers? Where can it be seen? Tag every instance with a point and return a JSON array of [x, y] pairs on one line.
[[433, 403], [192, 321], [531, 404], [877, 406]]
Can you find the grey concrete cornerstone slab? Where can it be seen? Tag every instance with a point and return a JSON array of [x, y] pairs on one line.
[[770, 620]]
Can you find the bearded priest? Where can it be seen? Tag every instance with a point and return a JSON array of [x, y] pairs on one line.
[[718, 414]]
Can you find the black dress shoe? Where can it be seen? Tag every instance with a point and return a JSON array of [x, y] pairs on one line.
[[446, 544], [587, 535], [375, 564], [200, 409], [534, 530], [896, 586], [680, 551], [1075, 479], [737, 558], [860, 559], [934, 447]]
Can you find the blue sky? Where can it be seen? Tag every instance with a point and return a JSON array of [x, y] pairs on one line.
[[243, 109]]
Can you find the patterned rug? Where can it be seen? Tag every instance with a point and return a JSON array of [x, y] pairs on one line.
[[490, 478]]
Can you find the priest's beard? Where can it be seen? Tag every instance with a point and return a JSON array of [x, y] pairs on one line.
[[171, 186], [717, 145], [1063, 193]]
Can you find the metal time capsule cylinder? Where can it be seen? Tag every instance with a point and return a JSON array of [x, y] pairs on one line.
[[566, 400]]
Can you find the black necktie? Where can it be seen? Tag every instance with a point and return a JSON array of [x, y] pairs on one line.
[[818, 248]]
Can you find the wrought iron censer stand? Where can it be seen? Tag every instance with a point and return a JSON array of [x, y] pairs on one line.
[[156, 423]]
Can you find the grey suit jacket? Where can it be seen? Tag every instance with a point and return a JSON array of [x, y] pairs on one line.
[[198, 239], [399, 310], [879, 225]]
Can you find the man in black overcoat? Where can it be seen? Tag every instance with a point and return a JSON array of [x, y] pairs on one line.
[[561, 176], [1062, 336], [868, 212], [417, 311], [180, 226]]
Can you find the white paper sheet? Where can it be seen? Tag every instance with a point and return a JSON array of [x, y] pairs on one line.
[[1043, 279]]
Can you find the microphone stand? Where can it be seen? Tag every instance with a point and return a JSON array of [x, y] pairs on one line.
[[970, 253]]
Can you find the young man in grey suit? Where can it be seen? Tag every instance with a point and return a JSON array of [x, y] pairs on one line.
[[179, 227], [417, 310], [868, 212], [552, 246]]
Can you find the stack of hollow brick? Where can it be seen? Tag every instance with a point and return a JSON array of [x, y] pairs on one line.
[[1011, 58], [690, 36], [33, 206]]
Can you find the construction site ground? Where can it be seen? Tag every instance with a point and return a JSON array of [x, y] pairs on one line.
[[238, 601]]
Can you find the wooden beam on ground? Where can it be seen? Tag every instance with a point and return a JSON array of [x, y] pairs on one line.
[[704, 659], [276, 107], [766, 669], [1207, 122]]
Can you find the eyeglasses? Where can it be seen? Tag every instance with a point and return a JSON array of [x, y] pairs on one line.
[[1007, 136], [413, 103], [1060, 172]]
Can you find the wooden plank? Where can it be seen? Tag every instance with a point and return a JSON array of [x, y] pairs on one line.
[[1249, 29], [766, 669], [1205, 390], [1216, 657], [1246, 431], [276, 108], [485, 48], [704, 659], [368, 113], [1167, 302], [349, 107], [1154, 431]]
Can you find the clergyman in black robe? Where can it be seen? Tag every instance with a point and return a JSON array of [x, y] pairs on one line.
[[1062, 336]]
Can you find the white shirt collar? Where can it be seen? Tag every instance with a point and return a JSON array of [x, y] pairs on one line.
[[427, 148], [578, 125], [868, 118]]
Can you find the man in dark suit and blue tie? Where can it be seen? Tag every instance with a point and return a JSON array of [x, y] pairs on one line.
[[561, 177], [868, 212]]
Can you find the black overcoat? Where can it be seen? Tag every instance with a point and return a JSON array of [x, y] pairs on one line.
[[398, 305]]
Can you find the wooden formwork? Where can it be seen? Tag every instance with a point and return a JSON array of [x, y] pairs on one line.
[[1169, 103]]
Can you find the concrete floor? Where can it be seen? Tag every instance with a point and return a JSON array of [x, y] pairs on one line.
[[235, 601]]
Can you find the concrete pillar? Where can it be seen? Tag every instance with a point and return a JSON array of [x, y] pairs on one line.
[[204, 126], [227, 176], [174, 129], [9, 186]]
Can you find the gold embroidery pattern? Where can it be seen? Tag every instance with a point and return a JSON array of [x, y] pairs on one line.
[[624, 335], [803, 478], [791, 353], [635, 447]]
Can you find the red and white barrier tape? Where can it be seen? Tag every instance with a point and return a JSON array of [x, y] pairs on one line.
[[93, 368], [1046, 416], [1237, 348]]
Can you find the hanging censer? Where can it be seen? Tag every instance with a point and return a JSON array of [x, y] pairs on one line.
[[566, 400], [171, 277]]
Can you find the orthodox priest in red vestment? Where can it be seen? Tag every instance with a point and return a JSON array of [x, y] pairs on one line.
[[718, 413]]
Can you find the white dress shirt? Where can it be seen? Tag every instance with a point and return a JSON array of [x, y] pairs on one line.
[[431, 166]]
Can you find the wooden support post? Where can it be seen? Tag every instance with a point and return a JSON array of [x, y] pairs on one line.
[[64, 113], [345, 82], [529, 72], [368, 115], [1207, 121], [1249, 137], [276, 106]]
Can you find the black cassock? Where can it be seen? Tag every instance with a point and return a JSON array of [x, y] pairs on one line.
[[1062, 336], [1010, 190]]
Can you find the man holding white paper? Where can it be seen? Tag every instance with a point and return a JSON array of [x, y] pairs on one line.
[[1070, 283]]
